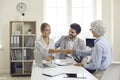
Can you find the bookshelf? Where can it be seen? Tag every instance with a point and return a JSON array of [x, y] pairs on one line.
[[22, 36]]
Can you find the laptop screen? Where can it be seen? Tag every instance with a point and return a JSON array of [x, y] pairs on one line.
[[90, 42], [38, 58]]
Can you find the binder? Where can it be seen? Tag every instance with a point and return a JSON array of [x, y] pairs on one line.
[[17, 41], [19, 55], [24, 54], [20, 41], [12, 42], [12, 56], [30, 42]]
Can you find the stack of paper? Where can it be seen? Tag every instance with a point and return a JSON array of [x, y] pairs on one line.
[[53, 73], [63, 62]]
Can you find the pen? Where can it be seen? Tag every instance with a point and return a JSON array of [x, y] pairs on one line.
[[59, 74], [46, 75], [52, 75]]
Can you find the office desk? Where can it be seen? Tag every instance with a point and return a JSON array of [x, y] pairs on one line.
[[37, 73]]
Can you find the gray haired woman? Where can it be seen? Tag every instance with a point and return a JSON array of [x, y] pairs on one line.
[[101, 54]]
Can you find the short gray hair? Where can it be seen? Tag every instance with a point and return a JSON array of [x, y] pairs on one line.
[[98, 27]]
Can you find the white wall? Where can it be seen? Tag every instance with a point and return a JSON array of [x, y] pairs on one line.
[[107, 18], [110, 15], [8, 12], [116, 29]]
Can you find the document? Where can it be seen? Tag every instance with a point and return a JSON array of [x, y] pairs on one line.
[[63, 62], [53, 73]]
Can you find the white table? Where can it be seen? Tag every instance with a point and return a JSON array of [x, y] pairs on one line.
[[37, 73]]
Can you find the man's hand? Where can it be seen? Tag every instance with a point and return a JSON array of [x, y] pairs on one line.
[[52, 51], [66, 51], [79, 64], [71, 51], [50, 58]]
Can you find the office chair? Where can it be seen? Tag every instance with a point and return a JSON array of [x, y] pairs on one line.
[[112, 73]]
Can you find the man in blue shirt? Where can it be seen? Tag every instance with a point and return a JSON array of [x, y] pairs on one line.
[[101, 54]]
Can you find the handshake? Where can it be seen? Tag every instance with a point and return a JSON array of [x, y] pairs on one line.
[[53, 51]]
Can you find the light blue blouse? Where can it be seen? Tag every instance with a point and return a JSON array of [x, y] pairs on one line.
[[101, 54]]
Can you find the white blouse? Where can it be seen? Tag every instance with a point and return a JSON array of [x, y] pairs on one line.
[[41, 46]]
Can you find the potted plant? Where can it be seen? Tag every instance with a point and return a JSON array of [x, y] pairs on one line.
[[29, 31]]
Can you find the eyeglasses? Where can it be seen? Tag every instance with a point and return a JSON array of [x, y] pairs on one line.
[[90, 29]]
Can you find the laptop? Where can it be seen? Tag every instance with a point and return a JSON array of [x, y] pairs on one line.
[[39, 61], [90, 42]]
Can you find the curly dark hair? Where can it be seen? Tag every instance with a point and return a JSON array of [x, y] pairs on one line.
[[77, 27]]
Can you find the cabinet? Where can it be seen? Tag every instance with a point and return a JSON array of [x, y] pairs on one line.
[[22, 36]]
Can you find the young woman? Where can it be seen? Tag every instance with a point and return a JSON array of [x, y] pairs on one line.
[[45, 45]]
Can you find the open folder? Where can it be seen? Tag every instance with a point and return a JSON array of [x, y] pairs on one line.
[[53, 73]]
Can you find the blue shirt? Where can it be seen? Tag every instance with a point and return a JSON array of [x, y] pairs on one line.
[[101, 54]]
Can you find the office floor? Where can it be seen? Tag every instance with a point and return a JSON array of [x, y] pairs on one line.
[[8, 77]]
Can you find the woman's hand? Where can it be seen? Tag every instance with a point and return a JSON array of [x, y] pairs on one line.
[[50, 58], [79, 64]]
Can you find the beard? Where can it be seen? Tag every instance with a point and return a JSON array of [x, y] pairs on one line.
[[72, 36]]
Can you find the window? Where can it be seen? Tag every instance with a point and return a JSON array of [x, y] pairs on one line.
[[61, 13], [56, 16]]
